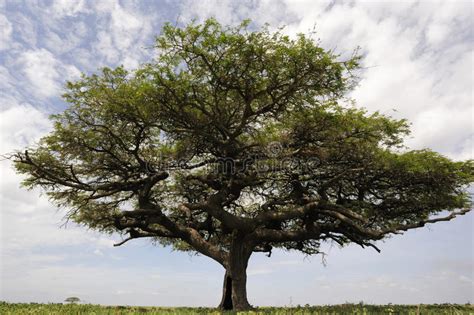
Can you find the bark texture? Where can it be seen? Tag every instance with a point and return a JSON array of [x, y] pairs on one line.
[[226, 302], [234, 295]]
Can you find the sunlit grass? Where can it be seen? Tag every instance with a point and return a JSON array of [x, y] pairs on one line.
[[35, 308]]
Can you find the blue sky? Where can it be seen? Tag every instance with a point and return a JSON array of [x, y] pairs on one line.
[[418, 65]]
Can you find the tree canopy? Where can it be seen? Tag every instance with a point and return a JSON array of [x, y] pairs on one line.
[[234, 141]]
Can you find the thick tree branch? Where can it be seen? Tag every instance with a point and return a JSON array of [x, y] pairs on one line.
[[186, 233]]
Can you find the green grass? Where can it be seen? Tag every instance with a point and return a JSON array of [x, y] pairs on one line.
[[35, 308]]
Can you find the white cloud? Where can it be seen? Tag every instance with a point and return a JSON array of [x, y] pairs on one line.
[[230, 12], [125, 26], [21, 125], [54, 26], [24, 28], [106, 48], [40, 68], [123, 33], [63, 8], [10, 95], [85, 60], [221, 10], [60, 44], [5, 32], [44, 72]]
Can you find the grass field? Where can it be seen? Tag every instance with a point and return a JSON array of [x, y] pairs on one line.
[[34, 308]]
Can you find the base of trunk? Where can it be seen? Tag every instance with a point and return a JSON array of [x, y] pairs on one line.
[[226, 303], [234, 295], [232, 299]]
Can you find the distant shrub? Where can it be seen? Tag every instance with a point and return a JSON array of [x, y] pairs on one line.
[[72, 300]]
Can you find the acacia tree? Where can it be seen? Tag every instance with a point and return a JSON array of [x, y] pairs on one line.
[[232, 142]]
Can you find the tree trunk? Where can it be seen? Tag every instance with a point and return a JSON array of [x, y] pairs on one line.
[[226, 302], [234, 295]]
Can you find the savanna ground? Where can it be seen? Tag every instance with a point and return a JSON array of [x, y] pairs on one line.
[[34, 308]]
